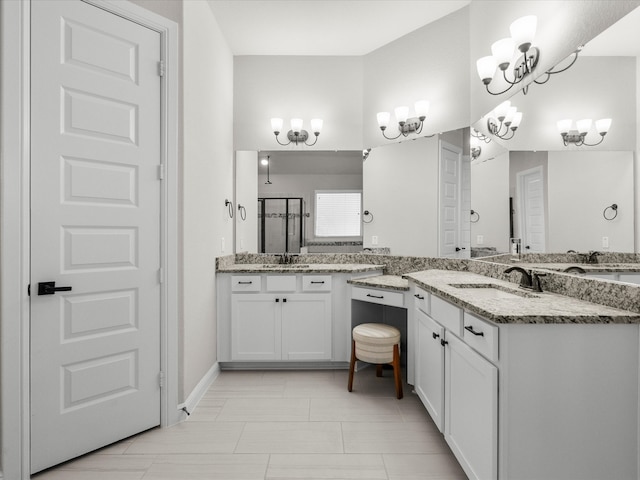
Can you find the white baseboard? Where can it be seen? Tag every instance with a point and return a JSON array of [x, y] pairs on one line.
[[200, 389]]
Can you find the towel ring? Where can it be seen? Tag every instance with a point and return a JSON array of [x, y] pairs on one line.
[[613, 207], [229, 206], [243, 212], [473, 212], [367, 213]]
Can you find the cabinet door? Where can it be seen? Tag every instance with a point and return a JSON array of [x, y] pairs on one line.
[[429, 380], [255, 327], [306, 327], [471, 406]]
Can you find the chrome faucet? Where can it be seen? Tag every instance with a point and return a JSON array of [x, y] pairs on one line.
[[525, 280], [592, 256]]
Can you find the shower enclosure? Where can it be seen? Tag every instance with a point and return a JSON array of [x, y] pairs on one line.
[[281, 225]]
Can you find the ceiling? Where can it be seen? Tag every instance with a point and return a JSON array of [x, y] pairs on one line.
[[322, 27], [312, 162], [621, 39]]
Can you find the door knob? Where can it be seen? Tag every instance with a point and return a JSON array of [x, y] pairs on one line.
[[49, 288]]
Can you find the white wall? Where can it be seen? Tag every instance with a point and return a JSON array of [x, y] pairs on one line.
[[246, 173], [490, 198], [581, 185], [305, 87], [432, 64], [207, 182], [400, 183]]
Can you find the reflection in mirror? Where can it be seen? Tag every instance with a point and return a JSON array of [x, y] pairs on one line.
[[553, 195], [295, 178]]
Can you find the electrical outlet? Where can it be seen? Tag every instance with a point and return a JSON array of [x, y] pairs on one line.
[[605, 242], [480, 239], [222, 245], [374, 240]]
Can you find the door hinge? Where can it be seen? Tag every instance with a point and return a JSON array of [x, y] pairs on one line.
[[29, 290], [161, 379], [161, 172], [161, 68]]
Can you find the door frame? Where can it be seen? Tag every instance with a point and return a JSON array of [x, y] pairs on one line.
[[15, 228], [521, 203], [443, 145]]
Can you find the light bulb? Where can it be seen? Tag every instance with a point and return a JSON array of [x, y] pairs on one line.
[[296, 124], [502, 109], [383, 119], [422, 108], [401, 114], [508, 118], [564, 126], [486, 68], [603, 125], [515, 123], [276, 125], [264, 161], [316, 125], [503, 52], [523, 30], [583, 125]]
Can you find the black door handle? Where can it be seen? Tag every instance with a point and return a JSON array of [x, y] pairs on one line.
[[49, 288], [458, 249], [470, 329]]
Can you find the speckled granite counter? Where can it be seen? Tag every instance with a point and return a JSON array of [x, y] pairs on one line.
[[388, 282], [299, 268], [587, 267], [521, 307]]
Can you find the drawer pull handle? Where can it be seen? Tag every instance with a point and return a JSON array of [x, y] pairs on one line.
[[443, 342], [277, 300], [470, 329], [317, 282], [375, 296], [435, 335], [419, 297], [245, 283]]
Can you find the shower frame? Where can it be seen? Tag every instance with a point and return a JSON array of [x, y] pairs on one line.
[[262, 210]]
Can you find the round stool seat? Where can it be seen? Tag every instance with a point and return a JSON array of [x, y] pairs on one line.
[[374, 342]]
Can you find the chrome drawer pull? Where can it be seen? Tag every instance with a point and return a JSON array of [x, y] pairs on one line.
[[470, 329], [374, 296]]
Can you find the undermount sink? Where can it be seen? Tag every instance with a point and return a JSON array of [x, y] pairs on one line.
[[285, 265], [491, 290]]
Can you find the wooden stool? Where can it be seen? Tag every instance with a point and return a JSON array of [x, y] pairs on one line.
[[379, 344]]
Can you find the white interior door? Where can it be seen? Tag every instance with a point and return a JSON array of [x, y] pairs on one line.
[[531, 194], [95, 223], [450, 183]]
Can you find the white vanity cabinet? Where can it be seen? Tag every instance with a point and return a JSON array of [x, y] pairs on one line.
[[283, 324], [456, 384]]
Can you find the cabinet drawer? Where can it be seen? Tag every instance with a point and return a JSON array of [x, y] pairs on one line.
[[383, 297], [481, 336], [281, 283], [421, 300], [447, 315], [245, 283], [316, 283]]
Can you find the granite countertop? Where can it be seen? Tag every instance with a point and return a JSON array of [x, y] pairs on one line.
[[587, 267], [506, 303], [299, 268], [388, 282]]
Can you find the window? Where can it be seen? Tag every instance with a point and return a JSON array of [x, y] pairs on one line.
[[338, 213]]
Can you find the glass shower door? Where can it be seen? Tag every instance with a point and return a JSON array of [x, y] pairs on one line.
[[281, 225]]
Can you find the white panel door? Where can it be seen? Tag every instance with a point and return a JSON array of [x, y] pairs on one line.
[[450, 184], [95, 223], [531, 201]]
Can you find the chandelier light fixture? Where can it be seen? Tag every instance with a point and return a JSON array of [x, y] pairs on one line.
[[297, 134], [406, 125], [474, 147], [577, 136], [504, 121]]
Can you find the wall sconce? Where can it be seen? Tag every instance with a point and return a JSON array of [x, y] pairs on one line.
[[365, 154], [405, 125], [266, 162], [505, 122], [522, 32], [577, 135], [297, 134], [480, 136]]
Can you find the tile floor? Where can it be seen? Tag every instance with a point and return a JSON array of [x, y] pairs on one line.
[[283, 425]]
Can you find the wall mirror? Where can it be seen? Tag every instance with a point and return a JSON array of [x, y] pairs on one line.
[[554, 196]]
